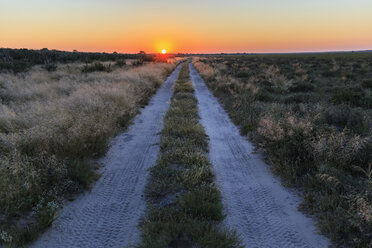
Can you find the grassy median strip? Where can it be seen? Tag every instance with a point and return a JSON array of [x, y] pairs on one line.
[[184, 205]]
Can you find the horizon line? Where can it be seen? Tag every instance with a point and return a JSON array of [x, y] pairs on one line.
[[204, 53]]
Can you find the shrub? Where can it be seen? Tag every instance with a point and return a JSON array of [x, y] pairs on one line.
[[344, 116], [352, 96], [367, 83], [50, 67], [45, 212], [264, 96], [96, 66], [138, 62], [331, 74], [20, 66], [301, 87], [242, 74], [120, 62], [299, 98]]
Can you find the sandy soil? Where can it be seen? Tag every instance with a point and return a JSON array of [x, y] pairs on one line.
[[262, 211], [108, 215]]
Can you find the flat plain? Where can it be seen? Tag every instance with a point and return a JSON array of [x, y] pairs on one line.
[[111, 150]]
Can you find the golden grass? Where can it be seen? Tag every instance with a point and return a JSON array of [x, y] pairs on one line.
[[51, 123]]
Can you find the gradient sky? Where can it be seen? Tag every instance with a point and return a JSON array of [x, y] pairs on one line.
[[187, 26]]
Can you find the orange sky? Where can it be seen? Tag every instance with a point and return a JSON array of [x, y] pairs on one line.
[[187, 26]]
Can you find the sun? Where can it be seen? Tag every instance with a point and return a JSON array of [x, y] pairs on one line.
[[163, 51]]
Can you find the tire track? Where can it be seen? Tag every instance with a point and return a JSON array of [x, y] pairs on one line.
[[108, 215], [262, 211]]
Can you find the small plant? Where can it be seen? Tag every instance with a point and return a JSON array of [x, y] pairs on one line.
[[83, 173], [368, 173], [120, 62], [367, 83], [96, 66], [5, 237], [301, 87], [343, 95], [50, 67], [46, 209], [138, 62]]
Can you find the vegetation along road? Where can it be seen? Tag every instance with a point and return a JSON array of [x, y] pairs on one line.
[[233, 200], [262, 211], [108, 215]]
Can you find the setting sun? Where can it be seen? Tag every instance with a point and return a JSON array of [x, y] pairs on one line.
[[163, 51]]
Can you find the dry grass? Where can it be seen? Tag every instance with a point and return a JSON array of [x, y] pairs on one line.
[[311, 114], [52, 123]]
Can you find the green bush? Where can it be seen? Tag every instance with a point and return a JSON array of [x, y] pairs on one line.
[[120, 62], [367, 83], [331, 74], [96, 66], [243, 74], [352, 96], [50, 67], [302, 87]]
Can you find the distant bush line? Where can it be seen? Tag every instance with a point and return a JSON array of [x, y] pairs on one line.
[[21, 60]]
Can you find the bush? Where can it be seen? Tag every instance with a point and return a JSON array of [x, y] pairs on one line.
[[120, 62], [45, 212], [344, 116], [352, 96], [50, 67], [367, 83], [96, 66], [264, 96], [331, 74], [242, 74], [302, 87], [299, 98]]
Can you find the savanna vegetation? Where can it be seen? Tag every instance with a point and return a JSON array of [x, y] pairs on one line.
[[53, 124], [184, 205], [312, 117], [21, 60]]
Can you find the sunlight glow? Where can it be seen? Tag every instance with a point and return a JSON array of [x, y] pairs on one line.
[[163, 51], [224, 26]]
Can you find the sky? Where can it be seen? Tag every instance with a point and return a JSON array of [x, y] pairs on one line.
[[188, 26]]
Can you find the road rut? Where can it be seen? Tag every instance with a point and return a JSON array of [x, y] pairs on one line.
[[262, 211], [108, 215]]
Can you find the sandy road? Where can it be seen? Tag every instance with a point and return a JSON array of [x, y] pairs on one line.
[[262, 211], [108, 215]]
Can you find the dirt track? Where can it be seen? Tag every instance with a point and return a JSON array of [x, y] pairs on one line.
[[262, 211], [108, 215]]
